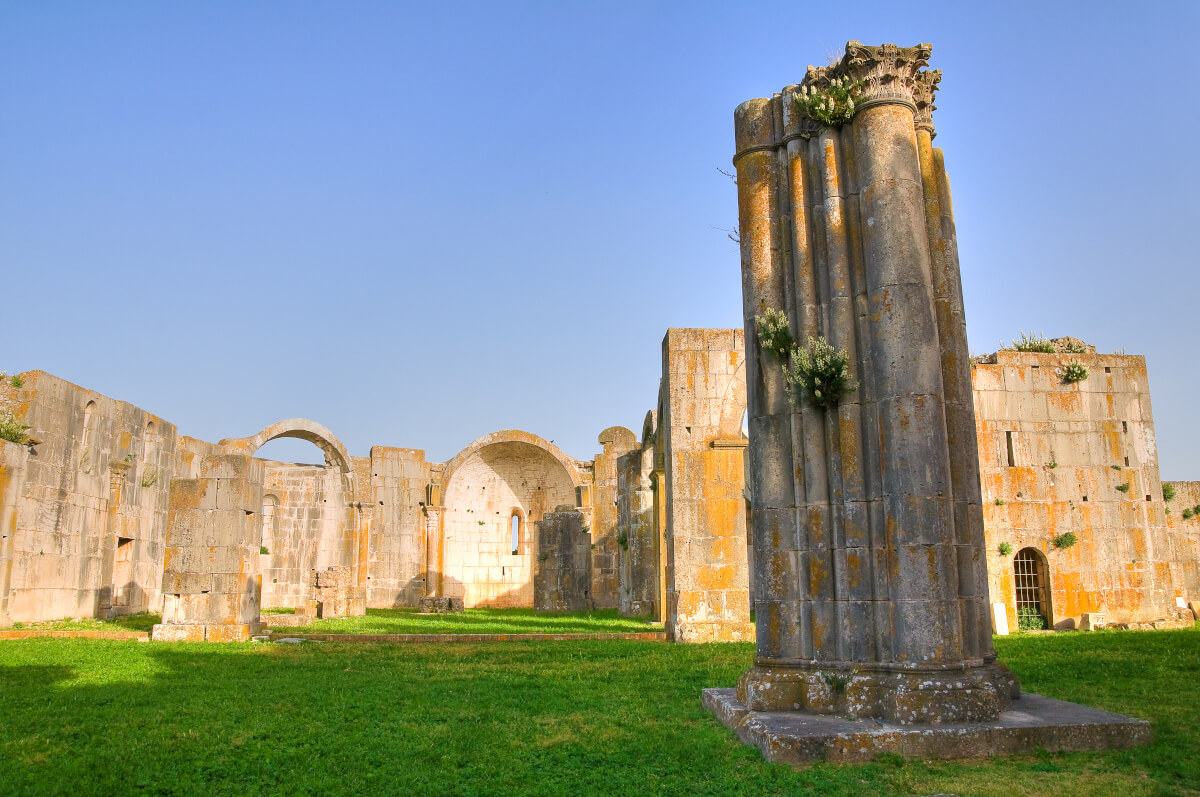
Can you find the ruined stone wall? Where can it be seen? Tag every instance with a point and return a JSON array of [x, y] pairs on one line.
[[1184, 534], [88, 533], [483, 493], [306, 526], [1079, 458], [616, 441], [562, 574], [703, 392], [396, 553], [13, 460]]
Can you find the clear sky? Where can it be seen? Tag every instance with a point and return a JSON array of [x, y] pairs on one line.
[[417, 223]]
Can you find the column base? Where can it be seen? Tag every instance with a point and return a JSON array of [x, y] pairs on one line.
[[1031, 722], [970, 694]]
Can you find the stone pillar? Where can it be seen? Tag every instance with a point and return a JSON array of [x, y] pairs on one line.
[[117, 473], [211, 579], [638, 566], [434, 556], [867, 527]]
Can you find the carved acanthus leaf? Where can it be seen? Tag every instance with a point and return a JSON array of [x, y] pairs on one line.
[[882, 73]]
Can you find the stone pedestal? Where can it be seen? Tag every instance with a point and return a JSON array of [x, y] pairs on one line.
[[872, 599]]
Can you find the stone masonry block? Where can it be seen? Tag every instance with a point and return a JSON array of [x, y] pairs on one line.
[[193, 494], [177, 632]]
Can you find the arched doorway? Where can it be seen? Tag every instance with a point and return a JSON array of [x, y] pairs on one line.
[[1031, 581]]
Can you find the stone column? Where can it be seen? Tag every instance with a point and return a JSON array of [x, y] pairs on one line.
[[434, 559], [867, 526]]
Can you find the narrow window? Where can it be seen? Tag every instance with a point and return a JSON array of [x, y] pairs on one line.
[[1012, 460], [1124, 426], [516, 533], [1107, 370], [1126, 460]]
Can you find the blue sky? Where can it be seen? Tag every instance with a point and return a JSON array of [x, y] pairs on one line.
[[419, 223]]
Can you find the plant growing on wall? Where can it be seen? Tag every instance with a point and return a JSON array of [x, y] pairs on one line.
[[773, 332], [1065, 540], [830, 105], [1031, 342], [149, 477], [999, 502], [16, 381], [11, 429], [1189, 513], [623, 541], [1168, 491], [1005, 549], [1075, 372], [820, 372], [1029, 619], [1123, 487]]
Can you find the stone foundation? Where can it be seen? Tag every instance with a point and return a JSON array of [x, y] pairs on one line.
[[1030, 722]]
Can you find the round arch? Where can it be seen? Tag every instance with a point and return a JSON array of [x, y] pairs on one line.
[[336, 455], [510, 436]]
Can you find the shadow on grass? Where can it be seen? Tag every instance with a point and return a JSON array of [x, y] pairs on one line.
[[521, 718]]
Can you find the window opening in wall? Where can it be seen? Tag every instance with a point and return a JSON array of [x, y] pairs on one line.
[[1107, 370], [1124, 426], [516, 533], [1126, 460], [1012, 460], [1085, 498], [1032, 586]]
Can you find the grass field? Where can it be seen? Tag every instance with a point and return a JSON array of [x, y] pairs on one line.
[[480, 621], [585, 717]]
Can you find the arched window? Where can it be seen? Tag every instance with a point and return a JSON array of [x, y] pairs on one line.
[[89, 412], [517, 532], [1032, 583]]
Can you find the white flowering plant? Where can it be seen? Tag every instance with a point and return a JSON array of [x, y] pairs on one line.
[[831, 105], [820, 372], [774, 333], [1075, 372]]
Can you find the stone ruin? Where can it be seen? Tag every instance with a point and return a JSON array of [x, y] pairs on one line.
[[873, 624]]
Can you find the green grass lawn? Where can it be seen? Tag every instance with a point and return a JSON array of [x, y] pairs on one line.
[[581, 717], [479, 621], [130, 622]]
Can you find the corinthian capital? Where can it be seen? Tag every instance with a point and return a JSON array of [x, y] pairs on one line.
[[884, 73], [923, 90]]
